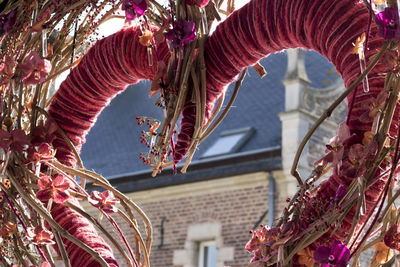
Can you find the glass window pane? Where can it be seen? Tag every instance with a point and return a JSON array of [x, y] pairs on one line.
[[211, 256], [223, 145]]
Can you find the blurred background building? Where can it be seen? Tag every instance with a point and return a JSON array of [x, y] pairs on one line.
[[240, 176]]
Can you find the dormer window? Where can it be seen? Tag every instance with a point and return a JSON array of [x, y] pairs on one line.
[[229, 142]]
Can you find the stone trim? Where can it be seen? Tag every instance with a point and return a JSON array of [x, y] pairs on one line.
[[188, 257]]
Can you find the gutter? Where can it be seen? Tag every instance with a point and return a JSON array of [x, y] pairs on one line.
[[271, 199], [201, 170]]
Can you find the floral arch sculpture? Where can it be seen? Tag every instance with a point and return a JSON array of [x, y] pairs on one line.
[[324, 224]]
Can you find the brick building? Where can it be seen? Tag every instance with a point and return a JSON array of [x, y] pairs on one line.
[[239, 177]]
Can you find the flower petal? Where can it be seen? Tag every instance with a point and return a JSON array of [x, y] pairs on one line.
[[43, 195], [44, 182], [340, 252], [321, 254], [60, 196]]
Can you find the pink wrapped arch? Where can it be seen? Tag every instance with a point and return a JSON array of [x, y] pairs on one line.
[[259, 28]]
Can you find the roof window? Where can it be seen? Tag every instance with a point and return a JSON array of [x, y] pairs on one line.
[[229, 142]]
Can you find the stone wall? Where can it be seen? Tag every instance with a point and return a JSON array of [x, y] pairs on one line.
[[224, 210]]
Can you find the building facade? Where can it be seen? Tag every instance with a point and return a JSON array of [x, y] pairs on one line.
[[240, 176]]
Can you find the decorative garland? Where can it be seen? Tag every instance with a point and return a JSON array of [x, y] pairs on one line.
[[324, 224]]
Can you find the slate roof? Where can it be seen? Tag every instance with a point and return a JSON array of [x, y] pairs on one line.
[[112, 148]]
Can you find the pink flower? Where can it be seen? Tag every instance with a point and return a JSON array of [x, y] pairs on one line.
[[40, 236], [44, 133], [15, 141], [7, 68], [263, 239], [34, 68], [42, 153], [355, 165], [373, 107], [56, 189], [104, 201], [335, 148]]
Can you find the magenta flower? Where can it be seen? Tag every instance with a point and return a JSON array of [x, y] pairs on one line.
[[340, 193], [182, 33], [7, 68], [199, 3], [34, 68], [40, 236], [104, 201], [56, 189], [337, 255], [7, 21], [15, 141], [134, 8], [388, 23]]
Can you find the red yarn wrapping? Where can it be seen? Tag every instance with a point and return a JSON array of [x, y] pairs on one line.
[[249, 34], [107, 69], [329, 27]]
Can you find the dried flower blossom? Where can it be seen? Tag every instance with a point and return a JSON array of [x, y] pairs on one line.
[[134, 8], [8, 229], [40, 236], [255, 245], [355, 164], [199, 3], [337, 255], [373, 106], [7, 68], [388, 23], [104, 201], [383, 253], [392, 237], [42, 153], [7, 21], [261, 240], [44, 133], [359, 46], [34, 68], [15, 141], [145, 38], [56, 189], [305, 257], [335, 148], [182, 33], [391, 60]]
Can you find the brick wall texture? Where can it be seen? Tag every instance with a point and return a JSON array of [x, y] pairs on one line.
[[236, 210]]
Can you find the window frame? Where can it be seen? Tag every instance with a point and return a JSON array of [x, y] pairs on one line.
[[202, 246], [246, 133]]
